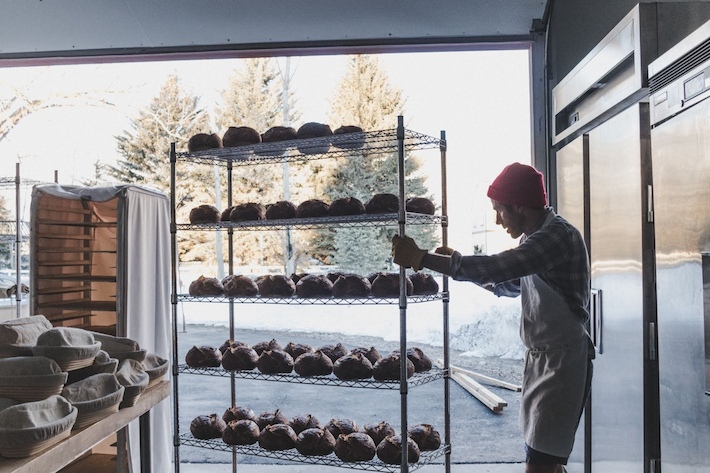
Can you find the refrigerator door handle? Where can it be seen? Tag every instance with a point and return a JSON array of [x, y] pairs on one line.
[[596, 322]]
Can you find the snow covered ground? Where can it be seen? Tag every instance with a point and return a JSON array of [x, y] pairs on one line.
[[480, 324]]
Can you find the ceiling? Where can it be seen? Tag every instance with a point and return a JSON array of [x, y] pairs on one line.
[[53, 31]]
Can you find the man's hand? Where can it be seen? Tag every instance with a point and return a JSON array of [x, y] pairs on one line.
[[444, 250], [406, 252]]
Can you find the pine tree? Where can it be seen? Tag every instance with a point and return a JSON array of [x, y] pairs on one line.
[[365, 98], [253, 98], [172, 116]]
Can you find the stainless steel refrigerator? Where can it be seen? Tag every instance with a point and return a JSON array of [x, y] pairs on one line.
[[680, 137]]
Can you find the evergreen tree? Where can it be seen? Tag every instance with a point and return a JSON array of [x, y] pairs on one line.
[[253, 98], [366, 98], [172, 116]]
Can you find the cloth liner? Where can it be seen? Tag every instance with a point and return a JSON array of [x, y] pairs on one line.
[[94, 397], [133, 377], [120, 347], [30, 378], [28, 425], [155, 366], [72, 348], [6, 402], [103, 363], [18, 336]]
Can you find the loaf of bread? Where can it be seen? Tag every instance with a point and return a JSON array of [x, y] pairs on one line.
[[378, 431], [387, 285], [339, 427], [271, 418], [204, 213], [247, 212], [301, 423], [389, 450], [314, 130], [423, 284], [272, 344], [283, 209], [355, 447], [334, 351], [426, 437], [238, 413], [313, 364], [348, 137], [240, 358], [351, 367], [275, 285], [203, 357], [420, 205], [241, 432], [370, 353], [315, 442], [277, 437], [239, 286], [388, 368], [351, 285], [205, 286], [240, 136], [274, 362], [382, 203], [312, 208], [314, 286], [203, 142], [346, 206], [205, 427], [272, 137], [297, 349]]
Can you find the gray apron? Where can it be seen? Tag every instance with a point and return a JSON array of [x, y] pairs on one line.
[[556, 367]]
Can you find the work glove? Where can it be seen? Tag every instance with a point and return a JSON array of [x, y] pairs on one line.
[[444, 250], [406, 252]]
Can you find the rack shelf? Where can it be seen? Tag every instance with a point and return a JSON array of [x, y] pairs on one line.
[[314, 300], [418, 379], [330, 460], [372, 143]]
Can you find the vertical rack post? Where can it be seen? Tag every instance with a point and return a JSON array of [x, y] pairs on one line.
[[230, 259], [445, 303], [173, 302], [18, 243], [401, 220]]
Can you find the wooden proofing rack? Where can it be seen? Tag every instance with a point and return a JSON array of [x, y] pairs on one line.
[[73, 262]]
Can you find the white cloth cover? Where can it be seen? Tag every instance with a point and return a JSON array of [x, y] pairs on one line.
[[120, 347], [145, 230], [66, 344], [30, 371], [18, 336], [94, 393], [29, 423]]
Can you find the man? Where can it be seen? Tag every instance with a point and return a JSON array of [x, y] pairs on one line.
[[550, 270]]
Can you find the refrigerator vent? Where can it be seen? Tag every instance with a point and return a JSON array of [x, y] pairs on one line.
[[683, 65]]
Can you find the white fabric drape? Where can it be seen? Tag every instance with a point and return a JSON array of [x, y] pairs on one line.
[[146, 278]]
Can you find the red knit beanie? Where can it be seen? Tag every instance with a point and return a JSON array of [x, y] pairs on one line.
[[519, 184]]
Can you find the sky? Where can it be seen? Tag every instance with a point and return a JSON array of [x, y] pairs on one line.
[[480, 99]]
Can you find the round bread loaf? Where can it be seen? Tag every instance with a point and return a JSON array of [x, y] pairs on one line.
[[282, 209], [389, 450], [207, 427], [351, 367], [277, 437], [241, 358], [238, 413], [295, 277], [382, 203], [370, 353], [247, 212], [426, 437], [272, 344], [346, 206], [273, 135], [423, 284], [420, 361], [203, 357], [225, 214], [240, 136], [239, 286], [297, 349], [420, 205], [387, 368], [204, 286], [351, 285], [355, 447], [203, 142], [274, 362], [204, 213], [334, 351], [387, 285], [339, 427], [271, 418], [348, 137], [241, 432], [229, 344], [313, 286], [314, 130], [276, 285], [301, 423], [312, 208], [313, 364], [315, 442], [378, 431]]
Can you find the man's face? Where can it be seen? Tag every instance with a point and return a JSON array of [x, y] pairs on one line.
[[509, 218]]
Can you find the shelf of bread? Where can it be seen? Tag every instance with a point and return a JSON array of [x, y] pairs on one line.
[[315, 300], [345, 221], [306, 149], [425, 458], [418, 379]]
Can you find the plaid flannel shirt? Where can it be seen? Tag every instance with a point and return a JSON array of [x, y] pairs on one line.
[[556, 253]]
